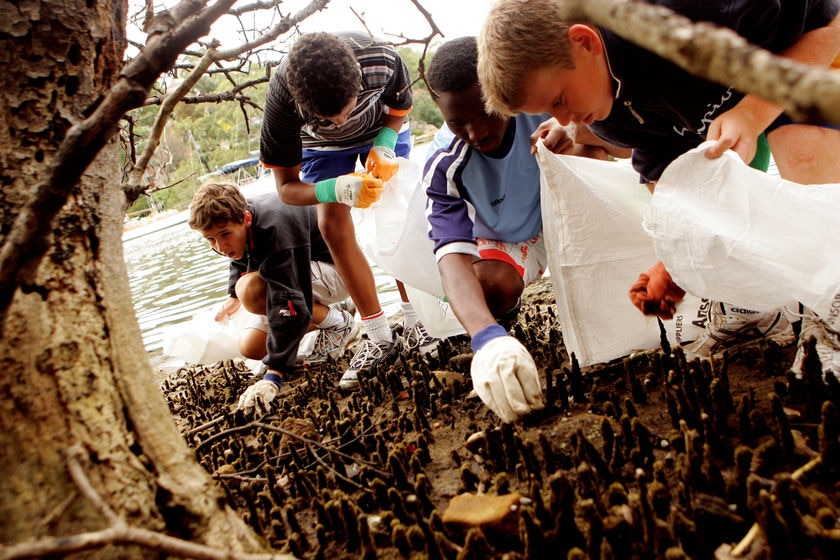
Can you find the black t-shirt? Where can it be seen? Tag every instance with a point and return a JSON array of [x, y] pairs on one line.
[[662, 111]]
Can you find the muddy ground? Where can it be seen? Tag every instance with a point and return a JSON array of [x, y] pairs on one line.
[[645, 457]]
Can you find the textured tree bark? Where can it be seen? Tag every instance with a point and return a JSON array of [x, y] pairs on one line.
[[72, 366]]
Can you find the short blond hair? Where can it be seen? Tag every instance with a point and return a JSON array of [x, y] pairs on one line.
[[216, 203], [519, 37]]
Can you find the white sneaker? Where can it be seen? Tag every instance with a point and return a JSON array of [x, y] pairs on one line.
[[731, 327], [418, 337], [369, 355], [828, 346], [330, 343]]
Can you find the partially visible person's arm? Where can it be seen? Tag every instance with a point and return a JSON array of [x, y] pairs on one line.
[[503, 372], [228, 308], [394, 122], [232, 305], [357, 190], [288, 321], [291, 189], [382, 161], [574, 139], [738, 128], [587, 139]]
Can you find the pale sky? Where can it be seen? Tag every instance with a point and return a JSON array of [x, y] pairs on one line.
[[455, 18], [386, 19]]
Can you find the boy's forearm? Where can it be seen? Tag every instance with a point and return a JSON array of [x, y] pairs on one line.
[[819, 47], [464, 292], [291, 189], [394, 122]]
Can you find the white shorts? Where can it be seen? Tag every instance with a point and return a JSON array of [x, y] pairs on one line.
[[527, 257], [327, 285], [327, 288], [259, 322]]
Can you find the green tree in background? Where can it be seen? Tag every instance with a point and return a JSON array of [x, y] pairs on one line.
[[199, 138], [425, 117]]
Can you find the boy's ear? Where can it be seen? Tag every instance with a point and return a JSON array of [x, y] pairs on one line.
[[586, 37], [247, 218]]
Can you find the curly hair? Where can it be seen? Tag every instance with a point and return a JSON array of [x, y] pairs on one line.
[[216, 204], [322, 74], [453, 68]]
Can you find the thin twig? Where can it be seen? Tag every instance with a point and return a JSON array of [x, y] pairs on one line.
[[334, 472]]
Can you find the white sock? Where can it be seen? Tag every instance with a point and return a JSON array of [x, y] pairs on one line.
[[377, 328], [409, 316], [334, 318]]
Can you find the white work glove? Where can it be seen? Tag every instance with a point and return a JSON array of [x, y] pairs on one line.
[[504, 374], [382, 161], [357, 190], [258, 396]]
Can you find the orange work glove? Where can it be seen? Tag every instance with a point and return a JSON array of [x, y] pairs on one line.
[[655, 292], [382, 161]]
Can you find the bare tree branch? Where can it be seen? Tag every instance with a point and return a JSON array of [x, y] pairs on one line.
[[133, 187]]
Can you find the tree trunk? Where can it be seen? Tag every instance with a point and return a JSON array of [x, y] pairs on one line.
[[74, 370]]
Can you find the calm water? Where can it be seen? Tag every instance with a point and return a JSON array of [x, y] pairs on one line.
[[174, 274]]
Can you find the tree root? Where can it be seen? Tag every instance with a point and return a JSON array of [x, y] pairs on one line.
[[119, 532]]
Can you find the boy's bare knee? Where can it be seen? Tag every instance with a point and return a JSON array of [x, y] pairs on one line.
[[251, 291], [335, 223], [501, 284], [806, 154]]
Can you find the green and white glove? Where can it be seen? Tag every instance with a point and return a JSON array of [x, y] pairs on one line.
[[357, 190], [382, 161], [258, 397], [504, 374]]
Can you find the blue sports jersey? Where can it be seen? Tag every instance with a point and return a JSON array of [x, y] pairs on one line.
[[472, 194]]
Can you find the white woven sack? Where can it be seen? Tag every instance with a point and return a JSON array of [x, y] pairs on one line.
[[393, 233], [592, 223], [731, 233]]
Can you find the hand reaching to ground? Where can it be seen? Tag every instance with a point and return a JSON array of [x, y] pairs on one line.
[[504, 374], [258, 397]]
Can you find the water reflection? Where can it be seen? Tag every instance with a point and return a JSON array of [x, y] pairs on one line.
[[173, 275]]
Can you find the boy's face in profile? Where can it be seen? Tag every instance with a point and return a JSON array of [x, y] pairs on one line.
[[466, 118], [229, 239], [583, 94]]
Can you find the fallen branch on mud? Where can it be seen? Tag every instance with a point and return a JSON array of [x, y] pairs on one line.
[[119, 533]]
